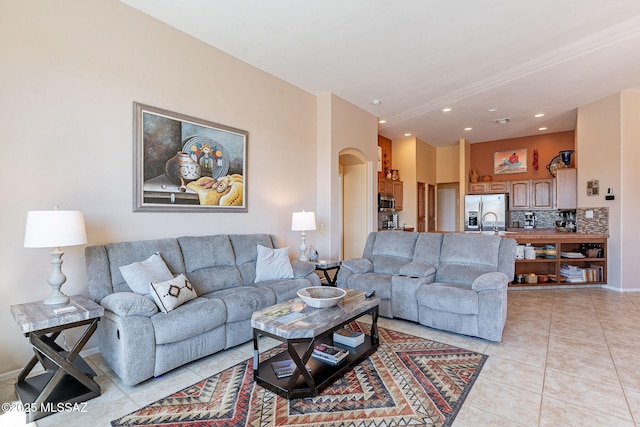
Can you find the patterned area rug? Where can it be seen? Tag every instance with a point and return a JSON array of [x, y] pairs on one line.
[[408, 381]]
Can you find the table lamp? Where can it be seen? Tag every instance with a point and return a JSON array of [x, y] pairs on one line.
[[55, 229], [303, 221]]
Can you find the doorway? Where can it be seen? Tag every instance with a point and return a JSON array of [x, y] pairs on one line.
[[446, 209], [355, 201]]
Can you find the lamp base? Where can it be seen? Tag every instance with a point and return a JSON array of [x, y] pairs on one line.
[[56, 280], [56, 298]]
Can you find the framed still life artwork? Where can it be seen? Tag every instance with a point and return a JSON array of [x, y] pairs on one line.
[[185, 164], [512, 161]]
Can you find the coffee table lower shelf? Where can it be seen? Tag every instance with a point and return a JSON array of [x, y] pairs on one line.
[[319, 374]]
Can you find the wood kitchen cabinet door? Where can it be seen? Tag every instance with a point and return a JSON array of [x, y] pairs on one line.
[[519, 195], [542, 194]]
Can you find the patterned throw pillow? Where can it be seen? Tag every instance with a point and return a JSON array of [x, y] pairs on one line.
[[173, 293], [140, 274], [273, 264]]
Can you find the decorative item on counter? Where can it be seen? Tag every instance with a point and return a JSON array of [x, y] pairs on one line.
[[313, 254], [531, 278], [487, 178], [535, 158], [394, 174], [473, 175]]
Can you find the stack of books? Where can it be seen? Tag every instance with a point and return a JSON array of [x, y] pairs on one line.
[[329, 354], [284, 368], [348, 337], [573, 273]]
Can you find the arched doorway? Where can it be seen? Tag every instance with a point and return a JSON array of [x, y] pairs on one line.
[[356, 203]]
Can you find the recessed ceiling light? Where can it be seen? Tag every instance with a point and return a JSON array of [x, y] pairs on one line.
[[543, 128], [407, 134], [539, 115], [492, 110], [376, 102], [382, 121], [446, 110], [468, 128], [502, 121]]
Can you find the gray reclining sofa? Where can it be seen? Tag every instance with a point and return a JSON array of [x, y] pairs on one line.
[[453, 281], [139, 342]]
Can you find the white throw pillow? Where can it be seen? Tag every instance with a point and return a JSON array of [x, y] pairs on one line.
[[140, 275], [273, 264], [172, 293]]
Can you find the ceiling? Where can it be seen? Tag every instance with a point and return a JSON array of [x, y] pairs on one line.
[[419, 56]]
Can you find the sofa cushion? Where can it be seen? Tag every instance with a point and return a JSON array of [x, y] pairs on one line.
[[381, 283], [139, 275], [428, 248], [451, 298], [273, 264], [246, 252], [470, 249], [189, 320], [284, 289], [461, 273], [171, 294], [125, 253], [392, 250], [242, 301]]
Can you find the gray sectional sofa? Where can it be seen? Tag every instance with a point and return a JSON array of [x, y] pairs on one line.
[[138, 341], [452, 281]]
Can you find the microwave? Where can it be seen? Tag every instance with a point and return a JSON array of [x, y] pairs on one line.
[[386, 202]]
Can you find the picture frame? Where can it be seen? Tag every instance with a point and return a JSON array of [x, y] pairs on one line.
[[511, 161], [186, 164]]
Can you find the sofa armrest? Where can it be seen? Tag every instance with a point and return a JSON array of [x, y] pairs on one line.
[[489, 281], [417, 269], [358, 265], [129, 304], [302, 268]]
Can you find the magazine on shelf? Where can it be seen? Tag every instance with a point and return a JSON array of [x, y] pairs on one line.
[[328, 353], [348, 337], [284, 368]]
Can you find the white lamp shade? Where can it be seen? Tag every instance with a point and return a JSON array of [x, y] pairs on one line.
[[303, 221], [53, 229]]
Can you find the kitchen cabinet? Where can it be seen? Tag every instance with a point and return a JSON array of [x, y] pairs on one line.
[[394, 187], [398, 189], [558, 252], [489, 187], [566, 188], [534, 194]]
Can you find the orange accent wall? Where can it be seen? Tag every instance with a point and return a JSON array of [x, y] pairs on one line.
[[548, 146]]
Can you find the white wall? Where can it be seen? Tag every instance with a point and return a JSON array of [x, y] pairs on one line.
[[70, 72], [607, 135]]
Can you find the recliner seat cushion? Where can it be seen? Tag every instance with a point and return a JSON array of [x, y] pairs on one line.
[[242, 301], [381, 283], [189, 320]]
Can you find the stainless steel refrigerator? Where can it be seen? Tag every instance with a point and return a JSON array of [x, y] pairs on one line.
[[478, 209]]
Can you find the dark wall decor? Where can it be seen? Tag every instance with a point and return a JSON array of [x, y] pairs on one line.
[[186, 164]]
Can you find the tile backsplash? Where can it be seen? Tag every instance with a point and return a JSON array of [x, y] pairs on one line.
[[599, 224]]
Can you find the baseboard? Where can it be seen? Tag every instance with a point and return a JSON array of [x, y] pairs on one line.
[[611, 288], [11, 375]]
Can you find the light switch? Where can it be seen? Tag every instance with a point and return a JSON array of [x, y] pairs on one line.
[[588, 214]]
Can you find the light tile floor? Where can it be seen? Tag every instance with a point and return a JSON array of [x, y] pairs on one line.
[[569, 357]]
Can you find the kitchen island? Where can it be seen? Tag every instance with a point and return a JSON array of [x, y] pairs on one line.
[[562, 259]]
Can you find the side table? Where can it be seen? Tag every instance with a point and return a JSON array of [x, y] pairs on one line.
[[325, 267], [67, 379]]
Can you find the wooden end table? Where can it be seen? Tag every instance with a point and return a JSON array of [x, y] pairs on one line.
[[301, 327], [67, 379]]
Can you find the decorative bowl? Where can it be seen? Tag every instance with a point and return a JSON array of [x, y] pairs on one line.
[[321, 296]]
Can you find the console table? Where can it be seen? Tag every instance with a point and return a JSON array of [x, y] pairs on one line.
[[67, 378]]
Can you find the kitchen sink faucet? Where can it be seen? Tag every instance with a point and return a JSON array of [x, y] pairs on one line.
[[495, 222]]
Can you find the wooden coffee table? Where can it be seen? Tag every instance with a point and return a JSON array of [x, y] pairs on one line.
[[301, 327]]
